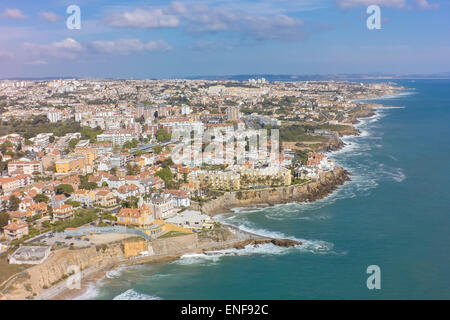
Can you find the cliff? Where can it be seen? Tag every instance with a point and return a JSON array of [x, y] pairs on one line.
[[310, 191], [55, 269]]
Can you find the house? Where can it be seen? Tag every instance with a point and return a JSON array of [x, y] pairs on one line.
[[86, 197], [162, 205], [37, 209], [62, 212], [140, 217], [181, 198], [127, 191], [18, 216], [15, 230], [191, 219], [105, 199], [58, 200]]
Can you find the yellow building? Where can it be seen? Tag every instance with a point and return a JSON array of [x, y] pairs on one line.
[[220, 180], [71, 165]]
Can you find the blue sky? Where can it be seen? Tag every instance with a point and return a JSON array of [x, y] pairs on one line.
[[157, 39]]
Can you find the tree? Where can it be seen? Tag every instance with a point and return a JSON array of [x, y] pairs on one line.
[[157, 149], [4, 219], [162, 135], [132, 170], [13, 203], [41, 198], [66, 189], [73, 143]]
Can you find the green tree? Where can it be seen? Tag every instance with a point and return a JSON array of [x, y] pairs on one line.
[[162, 135], [157, 149], [41, 198], [66, 189], [73, 143], [4, 218], [13, 203]]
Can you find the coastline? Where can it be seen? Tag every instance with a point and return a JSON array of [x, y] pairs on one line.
[[306, 192]]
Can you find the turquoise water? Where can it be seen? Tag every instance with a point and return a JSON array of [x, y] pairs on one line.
[[394, 214]]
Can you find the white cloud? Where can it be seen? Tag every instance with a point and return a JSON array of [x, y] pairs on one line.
[[201, 18], [128, 46], [15, 14], [48, 16], [402, 4], [143, 18], [424, 4], [65, 49]]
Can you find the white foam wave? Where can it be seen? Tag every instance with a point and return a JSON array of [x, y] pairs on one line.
[[91, 292], [114, 273], [134, 295], [212, 257]]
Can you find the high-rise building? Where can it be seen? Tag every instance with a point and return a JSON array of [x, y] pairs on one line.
[[233, 113]]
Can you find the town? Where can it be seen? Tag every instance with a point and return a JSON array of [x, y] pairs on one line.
[[90, 162]]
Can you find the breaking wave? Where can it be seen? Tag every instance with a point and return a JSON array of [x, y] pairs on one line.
[[134, 295]]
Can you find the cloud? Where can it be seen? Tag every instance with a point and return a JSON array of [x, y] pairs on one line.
[[128, 46], [424, 4], [6, 55], [143, 18], [280, 26], [207, 45], [366, 3], [48, 16], [15, 14], [65, 49], [200, 18], [400, 4]]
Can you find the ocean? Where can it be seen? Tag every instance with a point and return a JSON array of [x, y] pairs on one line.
[[395, 213]]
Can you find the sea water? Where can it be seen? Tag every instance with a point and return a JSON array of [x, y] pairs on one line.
[[395, 213]]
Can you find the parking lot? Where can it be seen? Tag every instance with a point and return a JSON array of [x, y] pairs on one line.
[[61, 239]]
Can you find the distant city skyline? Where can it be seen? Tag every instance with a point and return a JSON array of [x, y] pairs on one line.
[[167, 39]]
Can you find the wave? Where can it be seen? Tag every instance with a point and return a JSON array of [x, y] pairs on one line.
[[115, 273], [134, 295], [91, 292], [213, 257]]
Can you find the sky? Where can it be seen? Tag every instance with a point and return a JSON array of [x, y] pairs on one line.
[[169, 39]]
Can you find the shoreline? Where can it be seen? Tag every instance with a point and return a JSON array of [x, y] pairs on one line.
[[306, 192]]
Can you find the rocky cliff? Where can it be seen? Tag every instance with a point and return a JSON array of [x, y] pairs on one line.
[[57, 267], [310, 191]]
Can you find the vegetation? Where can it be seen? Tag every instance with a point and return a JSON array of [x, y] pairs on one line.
[[41, 198], [13, 203], [162, 135], [4, 218], [66, 189]]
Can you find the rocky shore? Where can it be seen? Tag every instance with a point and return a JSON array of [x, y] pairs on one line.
[[309, 191]]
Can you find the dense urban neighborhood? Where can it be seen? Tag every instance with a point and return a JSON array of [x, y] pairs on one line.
[[87, 163]]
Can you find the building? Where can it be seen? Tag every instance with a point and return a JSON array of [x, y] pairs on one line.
[[191, 219], [9, 184], [62, 212], [30, 255], [139, 217], [233, 113], [24, 167], [220, 180], [15, 230], [162, 205], [74, 164], [37, 209], [180, 198], [105, 199], [117, 137], [54, 116]]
